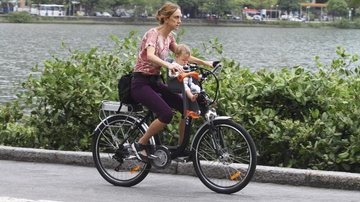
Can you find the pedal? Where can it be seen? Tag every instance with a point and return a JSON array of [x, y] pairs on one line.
[[135, 169]]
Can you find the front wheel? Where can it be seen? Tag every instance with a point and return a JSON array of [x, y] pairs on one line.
[[224, 157]]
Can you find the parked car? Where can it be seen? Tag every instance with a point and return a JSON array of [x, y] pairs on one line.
[[295, 19], [122, 14], [284, 17], [102, 14], [106, 14], [257, 18]]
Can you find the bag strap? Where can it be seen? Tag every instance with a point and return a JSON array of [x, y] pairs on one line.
[[118, 111]]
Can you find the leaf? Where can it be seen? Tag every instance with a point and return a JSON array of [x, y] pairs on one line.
[[344, 155]]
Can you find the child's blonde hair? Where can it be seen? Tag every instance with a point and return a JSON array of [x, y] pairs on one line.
[[182, 49]]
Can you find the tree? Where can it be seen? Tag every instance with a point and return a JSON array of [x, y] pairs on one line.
[[337, 8], [249, 3], [353, 4], [115, 4], [189, 7], [89, 5], [289, 5], [218, 7]]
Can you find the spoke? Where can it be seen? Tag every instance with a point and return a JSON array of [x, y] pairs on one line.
[[108, 141], [207, 149], [209, 144], [227, 171], [203, 155], [240, 159]]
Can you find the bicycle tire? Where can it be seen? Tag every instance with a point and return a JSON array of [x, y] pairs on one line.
[[108, 151], [232, 168]]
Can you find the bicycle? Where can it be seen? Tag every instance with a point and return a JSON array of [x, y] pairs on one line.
[[222, 151]]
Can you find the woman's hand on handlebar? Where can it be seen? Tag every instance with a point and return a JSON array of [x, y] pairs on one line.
[[175, 68], [211, 63], [208, 63]]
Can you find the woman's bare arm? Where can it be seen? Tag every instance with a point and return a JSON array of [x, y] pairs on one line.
[[156, 60]]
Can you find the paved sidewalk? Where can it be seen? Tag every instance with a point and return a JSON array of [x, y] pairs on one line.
[[265, 174]]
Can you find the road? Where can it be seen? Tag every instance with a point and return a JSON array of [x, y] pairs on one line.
[[40, 182]]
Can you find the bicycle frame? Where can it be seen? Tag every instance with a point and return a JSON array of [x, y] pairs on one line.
[[141, 121]]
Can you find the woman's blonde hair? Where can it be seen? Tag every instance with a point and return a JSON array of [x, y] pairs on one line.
[[166, 11], [182, 49]]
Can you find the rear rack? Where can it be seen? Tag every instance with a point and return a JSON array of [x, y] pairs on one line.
[[108, 108]]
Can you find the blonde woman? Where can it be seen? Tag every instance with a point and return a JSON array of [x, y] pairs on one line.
[[146, 87]]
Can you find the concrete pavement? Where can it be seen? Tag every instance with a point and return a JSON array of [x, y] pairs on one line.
[[265, 174], [45, 182]]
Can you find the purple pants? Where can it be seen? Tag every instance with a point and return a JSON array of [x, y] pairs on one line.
[[157, 97]]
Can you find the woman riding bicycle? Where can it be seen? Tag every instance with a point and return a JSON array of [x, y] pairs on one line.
[[147, 87]]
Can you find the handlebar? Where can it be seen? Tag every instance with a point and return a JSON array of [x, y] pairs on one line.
[[195, 67], [204, 72]]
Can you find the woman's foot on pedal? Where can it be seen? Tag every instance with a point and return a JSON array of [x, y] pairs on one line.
[[140, 151]]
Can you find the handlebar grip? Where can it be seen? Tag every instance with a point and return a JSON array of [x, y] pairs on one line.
[[215, 63]]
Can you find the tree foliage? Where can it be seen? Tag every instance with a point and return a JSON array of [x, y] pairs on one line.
[[337, 7], [289, 5]]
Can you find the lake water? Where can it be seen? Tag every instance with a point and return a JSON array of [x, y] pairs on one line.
[[24, 45]]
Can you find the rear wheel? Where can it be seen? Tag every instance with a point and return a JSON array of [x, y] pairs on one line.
[[112, 154], [225, 157]]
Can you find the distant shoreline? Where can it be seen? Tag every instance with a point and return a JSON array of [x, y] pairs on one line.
[[185, 22], [152, 21], [131, 21]]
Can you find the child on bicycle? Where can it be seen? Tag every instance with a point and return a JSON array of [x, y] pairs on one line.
[[192, 90], [182, 55]]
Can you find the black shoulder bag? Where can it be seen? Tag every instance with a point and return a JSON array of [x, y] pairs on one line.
[[124, 89]]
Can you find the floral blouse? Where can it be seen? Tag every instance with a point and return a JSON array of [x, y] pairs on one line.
[[162, 46]]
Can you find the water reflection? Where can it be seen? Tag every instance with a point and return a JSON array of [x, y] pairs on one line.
[[24, 45]]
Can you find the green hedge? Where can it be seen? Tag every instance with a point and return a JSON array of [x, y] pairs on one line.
[[298, 117], [19, 17]]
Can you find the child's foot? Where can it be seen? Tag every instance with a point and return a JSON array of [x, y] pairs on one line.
[[192, 114]]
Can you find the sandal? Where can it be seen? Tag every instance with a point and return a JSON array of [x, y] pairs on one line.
[[140, 151]]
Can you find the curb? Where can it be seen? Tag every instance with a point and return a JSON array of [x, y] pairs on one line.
[[264, 174]]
